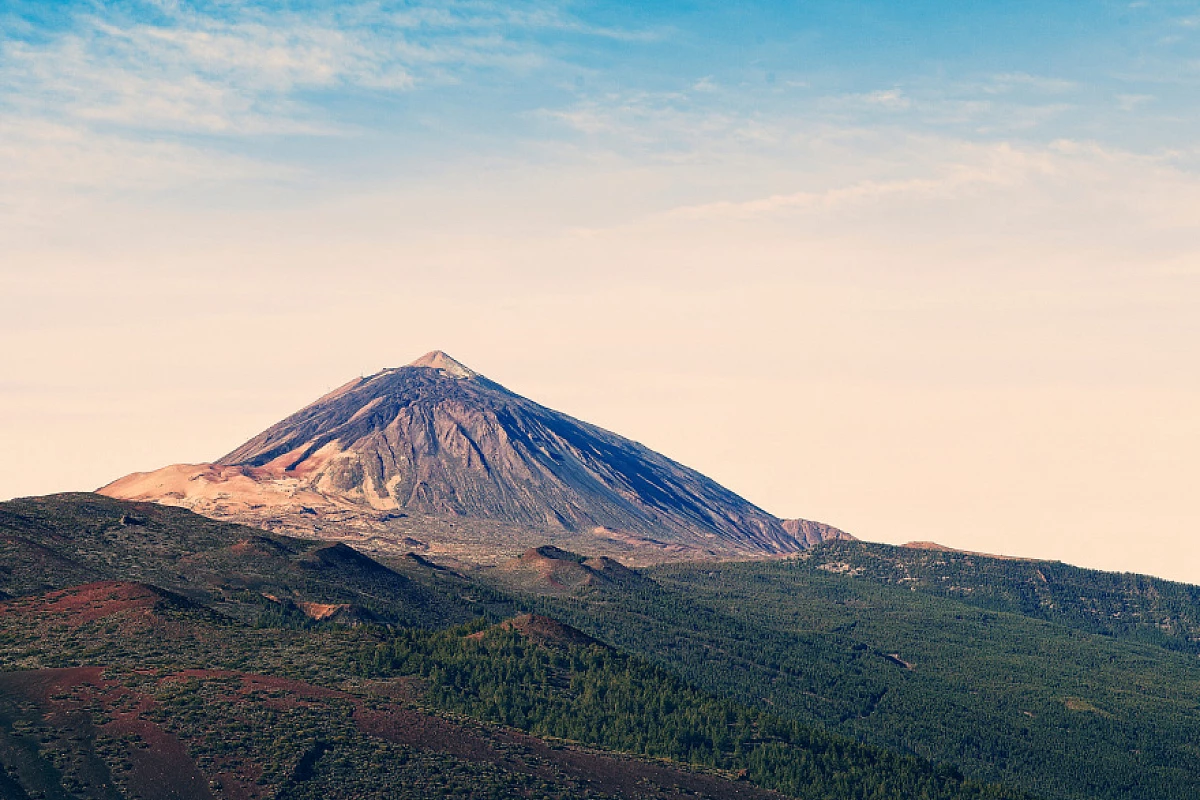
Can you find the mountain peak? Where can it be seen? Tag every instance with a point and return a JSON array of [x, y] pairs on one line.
[[437, 441], [436, 359]]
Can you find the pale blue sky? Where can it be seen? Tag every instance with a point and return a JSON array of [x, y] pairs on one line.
[[921, 270], [347, 91]]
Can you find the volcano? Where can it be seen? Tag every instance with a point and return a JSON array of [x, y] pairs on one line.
[[433, 456]]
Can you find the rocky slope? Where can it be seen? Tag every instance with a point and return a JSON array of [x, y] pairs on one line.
[[467, 469]]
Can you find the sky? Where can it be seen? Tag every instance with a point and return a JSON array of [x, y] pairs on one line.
[[923, 271]]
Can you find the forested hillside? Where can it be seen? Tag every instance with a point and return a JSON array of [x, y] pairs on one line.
[[850, 673], [1059, 711], [1119, 604]]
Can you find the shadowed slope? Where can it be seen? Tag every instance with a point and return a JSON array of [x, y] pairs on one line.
[[61, 540]]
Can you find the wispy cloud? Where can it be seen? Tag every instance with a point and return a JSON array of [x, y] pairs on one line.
[[140, 97], [667, 124], [40, 152], [153, 80], [192, 72], [206, 92], [704, 118], [1128, 190], [892, 99], [1011, 102], [996, 166], [245, 69], [1004, 83], [495, 16], [1132, 102], [52, 172]]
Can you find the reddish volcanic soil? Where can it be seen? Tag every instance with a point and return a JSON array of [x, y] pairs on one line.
[[160, 767], [92, 601]]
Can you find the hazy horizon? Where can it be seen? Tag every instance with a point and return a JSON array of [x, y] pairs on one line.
[[928, 272]]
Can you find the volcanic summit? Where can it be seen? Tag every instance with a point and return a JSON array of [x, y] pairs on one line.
[[438, 456]]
